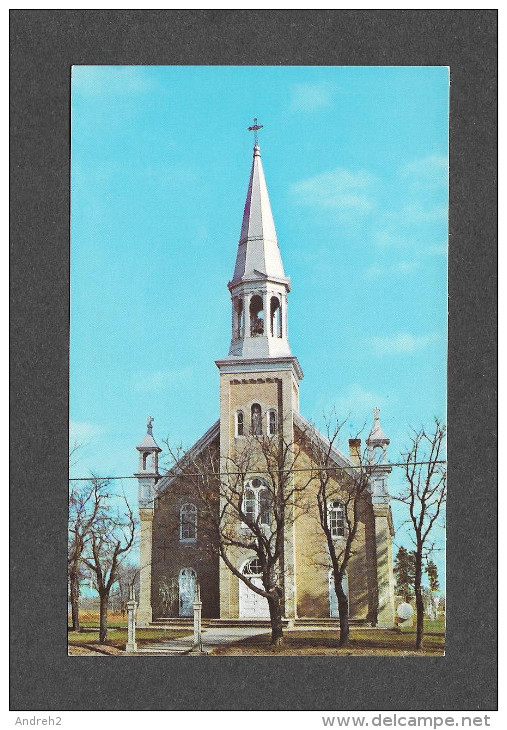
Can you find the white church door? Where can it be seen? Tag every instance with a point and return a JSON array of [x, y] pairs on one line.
[[333, 599], [251, 604], [186, 583]]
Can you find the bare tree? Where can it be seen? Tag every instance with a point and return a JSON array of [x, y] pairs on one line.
[[248, 502], [126, 576], [86, 503], [168, 593], [341, 493], [110, 539], [424, 495]]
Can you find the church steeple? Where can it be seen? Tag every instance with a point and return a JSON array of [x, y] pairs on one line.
[[259, 286], [258, 252]]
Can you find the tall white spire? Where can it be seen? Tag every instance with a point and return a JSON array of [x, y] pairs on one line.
[[258, 252]]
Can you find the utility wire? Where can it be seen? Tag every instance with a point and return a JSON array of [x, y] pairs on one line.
[[260, 471]]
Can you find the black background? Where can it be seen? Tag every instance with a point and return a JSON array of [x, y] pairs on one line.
[[44, 45]]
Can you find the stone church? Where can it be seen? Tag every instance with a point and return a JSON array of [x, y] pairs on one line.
[[259, 394]]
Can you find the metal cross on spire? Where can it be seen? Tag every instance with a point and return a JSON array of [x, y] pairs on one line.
[[255, 128]]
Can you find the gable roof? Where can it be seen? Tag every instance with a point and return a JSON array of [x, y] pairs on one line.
[[211, 434], [335, 454]]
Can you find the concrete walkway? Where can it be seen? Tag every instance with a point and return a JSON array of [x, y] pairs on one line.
[[211, 637]]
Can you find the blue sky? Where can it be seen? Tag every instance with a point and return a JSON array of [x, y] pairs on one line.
[[355, 160]]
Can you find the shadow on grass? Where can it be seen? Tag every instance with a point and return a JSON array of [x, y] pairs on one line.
[[326, 642]]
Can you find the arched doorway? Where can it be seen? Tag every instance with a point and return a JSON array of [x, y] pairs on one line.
[[251, 604], [333, 600], [186, 584]]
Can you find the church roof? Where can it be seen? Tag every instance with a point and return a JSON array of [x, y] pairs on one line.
[[199, 446], [148, 441], [213, 433], [336, 455], [258, 253], [377, 433]]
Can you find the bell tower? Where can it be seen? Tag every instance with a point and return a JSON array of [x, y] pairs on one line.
[[259, 353], [259, 379]]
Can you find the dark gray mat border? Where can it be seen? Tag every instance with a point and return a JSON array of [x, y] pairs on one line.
[[44, 44]]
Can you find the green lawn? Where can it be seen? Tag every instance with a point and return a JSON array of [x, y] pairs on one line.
[[363, 642], [118, 637]]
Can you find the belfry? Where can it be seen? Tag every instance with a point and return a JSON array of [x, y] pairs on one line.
[[259, 400]]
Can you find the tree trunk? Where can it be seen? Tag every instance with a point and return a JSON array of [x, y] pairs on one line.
[[343, 611], [275, 615], [419, 603], [104, 600], [74, 600]]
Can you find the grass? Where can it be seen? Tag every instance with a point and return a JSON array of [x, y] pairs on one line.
[[363, 642], [90, 619], [88, 637], [118, 637], [299, 642]]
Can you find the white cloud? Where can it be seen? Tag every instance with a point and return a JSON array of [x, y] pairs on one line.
[[357, 401], [162, 379], [417, 213], [311, 97], [408, 214], [99, 80], [81, 432], [339, 190], [402, 343], [386, 239], [427, 173], [402, 268]]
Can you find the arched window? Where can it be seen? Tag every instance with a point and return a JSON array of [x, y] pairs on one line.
[[239, 318], [276, 317], [257, 502], [264, 507], [240, 423], [187, 580], [188, 523], [272, 422], [249, 504], [256, 420], [253, 567], [256, 316], [336, 519]]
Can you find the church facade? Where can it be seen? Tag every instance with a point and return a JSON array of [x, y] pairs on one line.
[[259, 399]]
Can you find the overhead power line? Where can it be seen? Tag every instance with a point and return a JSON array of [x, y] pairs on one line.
[[261, 471]]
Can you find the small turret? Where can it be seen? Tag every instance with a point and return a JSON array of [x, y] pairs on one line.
[[379, 468], [147, 477], [148, 453], [377, 443], [148, 473]]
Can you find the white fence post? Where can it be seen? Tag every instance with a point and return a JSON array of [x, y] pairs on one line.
[[197, 619], [131, 629]]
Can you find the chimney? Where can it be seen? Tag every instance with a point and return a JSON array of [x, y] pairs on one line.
[[355, 451]]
